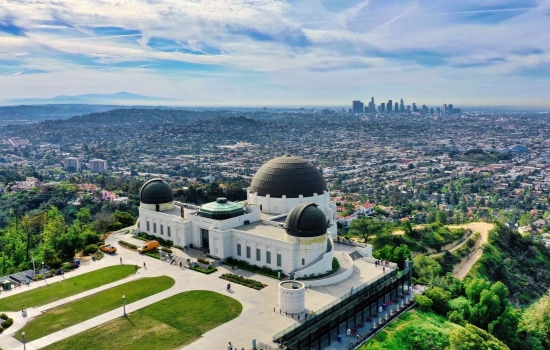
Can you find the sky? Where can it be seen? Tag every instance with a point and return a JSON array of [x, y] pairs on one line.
[[307, 53]]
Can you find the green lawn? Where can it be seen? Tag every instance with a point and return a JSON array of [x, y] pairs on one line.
[[65, 288], [167, 324], [80, 310]]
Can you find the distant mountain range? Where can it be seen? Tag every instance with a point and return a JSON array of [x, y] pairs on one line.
[[119, 98]]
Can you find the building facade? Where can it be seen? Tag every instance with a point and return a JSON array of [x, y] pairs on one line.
[[287, 223], [98, 165]]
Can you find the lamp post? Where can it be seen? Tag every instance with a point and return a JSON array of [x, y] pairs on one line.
[[24, 342], [124, 306], [33, 269]]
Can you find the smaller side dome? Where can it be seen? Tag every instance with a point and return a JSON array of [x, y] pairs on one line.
[[156, 191], [306, 220]]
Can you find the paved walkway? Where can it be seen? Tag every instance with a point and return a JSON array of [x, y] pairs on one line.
[[259, 319]]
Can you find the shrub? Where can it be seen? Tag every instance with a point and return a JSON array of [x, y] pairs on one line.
[[99, 255], [264, 270], [147, 237], [153, 254], [90, 249], [423, 302], [128, 245], [7, 323], [244, 281], [67, 266], [210, 270], [3, 316]]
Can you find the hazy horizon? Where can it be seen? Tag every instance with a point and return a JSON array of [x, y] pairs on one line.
[[280, 53]]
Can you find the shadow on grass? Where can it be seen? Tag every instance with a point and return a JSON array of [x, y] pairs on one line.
[[128, 319]]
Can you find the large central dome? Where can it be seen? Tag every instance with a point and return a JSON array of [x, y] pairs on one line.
[[288, 175]]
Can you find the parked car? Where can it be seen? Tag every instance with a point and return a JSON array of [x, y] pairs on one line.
[[107, 248], [147, 246]]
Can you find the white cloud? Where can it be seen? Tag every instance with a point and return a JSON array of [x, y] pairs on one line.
[[335, 48]]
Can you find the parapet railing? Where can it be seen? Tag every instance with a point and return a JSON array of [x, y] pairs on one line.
[[388, 277]]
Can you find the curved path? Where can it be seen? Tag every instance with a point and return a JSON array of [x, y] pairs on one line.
[[462, 269]]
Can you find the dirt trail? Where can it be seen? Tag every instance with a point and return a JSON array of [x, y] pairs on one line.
[[483, 228]]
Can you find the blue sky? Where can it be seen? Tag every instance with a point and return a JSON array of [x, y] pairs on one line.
[[280, 53]]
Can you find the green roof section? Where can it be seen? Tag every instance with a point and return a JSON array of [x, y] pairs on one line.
[[221, 209]]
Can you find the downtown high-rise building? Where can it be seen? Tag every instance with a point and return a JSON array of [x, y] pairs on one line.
[[358, 107]]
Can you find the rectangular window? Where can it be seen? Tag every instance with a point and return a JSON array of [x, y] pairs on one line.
[[148, 226], [154, 227], [268, 257], [258, 255], [247, 252], [238, 249], [161, 229], [279, 263], [168, 231], [303, 261]]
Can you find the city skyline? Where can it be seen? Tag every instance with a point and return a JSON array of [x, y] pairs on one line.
[[277, 53]]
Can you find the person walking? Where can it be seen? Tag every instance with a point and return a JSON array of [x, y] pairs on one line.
[[120, 260], [144, 266], [229, 287]]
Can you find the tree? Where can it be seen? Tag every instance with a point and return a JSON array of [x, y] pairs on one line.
[[505, 327], [400, 254], [535, 321], [407, 227], [423, 302], [441, 217], [54, 227], [425, 269], [31, 227], [474, 288], [525, 219], [440, 298]]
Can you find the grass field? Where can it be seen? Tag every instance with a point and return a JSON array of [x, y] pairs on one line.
[[65, 288], [83, 309], [167, 324]]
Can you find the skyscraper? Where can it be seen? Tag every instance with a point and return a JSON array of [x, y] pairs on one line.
[[389, 106], [372, 106], [358, 107], [401, 106]]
